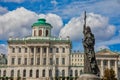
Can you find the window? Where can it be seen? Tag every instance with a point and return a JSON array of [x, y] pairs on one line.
[[44, 50], [24, 73], [57, 73], [43, 73], [18, 73], [63, 72], [44, 61], [32, 61], [12, 73], [63, 50], [37, 73], [50, 73], [63, 60], [71, 73], [38, 61], [57, 60], [112, 62], [25, 50], [34, 32], [98, 62], [25, 61], [57, 50], [40, 32], [38, 50], [80, 72], [0, 73], [76, 73], [105, 62], [13, 50], [46, 32], [30, 73], [13, 61], [4, 73], [19, 60], [51, 61], [32, 50], [19, 50], [51, 50]]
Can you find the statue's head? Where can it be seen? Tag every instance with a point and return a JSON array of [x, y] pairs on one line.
[[88, 29]]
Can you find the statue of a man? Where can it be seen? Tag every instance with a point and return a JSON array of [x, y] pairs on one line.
[[90, 63]]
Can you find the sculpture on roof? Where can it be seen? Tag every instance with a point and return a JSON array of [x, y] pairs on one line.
[[90, 63]]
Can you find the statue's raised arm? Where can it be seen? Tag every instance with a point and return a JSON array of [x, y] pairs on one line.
[[84, 27]]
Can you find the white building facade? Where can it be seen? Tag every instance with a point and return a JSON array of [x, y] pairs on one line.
[[39, 56]]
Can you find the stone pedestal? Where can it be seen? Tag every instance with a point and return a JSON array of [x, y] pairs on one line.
[[88, 77]]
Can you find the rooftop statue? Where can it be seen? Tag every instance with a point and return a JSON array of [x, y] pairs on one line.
[[90, 63]]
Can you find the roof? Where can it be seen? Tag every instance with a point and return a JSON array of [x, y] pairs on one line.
[[41, 23], [106, 52], [39, 40]]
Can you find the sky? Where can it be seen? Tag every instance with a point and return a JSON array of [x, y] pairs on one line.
[[66, 17]]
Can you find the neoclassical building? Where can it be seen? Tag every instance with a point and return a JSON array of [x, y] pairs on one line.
[[105, 59], [38, 57], [42, 56]]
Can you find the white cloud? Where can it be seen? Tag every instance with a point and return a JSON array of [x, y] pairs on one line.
[[17, 1], [54, 2], [3, 48], [55, 21], [3, 10], [17, 23], [99, 24]]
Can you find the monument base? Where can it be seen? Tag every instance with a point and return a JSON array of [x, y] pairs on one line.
[[88, 77]]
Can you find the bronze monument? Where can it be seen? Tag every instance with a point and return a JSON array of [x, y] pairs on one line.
[[90, 63]]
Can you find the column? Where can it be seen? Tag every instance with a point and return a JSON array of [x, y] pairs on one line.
[[28, 56], [9, 58], [41, 56], [116, 68], [23, 52], [60, 56], [108, 64], [16, 57], [34, 55], [102, 68], [47, 56]]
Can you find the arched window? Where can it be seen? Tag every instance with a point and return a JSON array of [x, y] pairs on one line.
[[63, 72], [12, 73], [37, 73], [4, 73], [57, 73], [40, 32], [24, 73], [50, 73], [71, 73], [30, 73], [76, 73], [80, 72], [18, 73], [0, 72], [46, 32], [43, 73], [63, 50]]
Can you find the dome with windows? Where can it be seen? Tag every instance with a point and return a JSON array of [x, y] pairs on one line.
[[41, 28]]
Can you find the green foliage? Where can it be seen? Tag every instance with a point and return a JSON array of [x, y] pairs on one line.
[[109, 74]]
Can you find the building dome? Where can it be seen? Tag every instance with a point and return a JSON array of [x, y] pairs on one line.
[[41, 28], [41, 23]]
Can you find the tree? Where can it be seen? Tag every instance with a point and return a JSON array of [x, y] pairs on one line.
[[109, 74]]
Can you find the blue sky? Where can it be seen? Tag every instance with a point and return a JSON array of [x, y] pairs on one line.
[[66, 16]]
